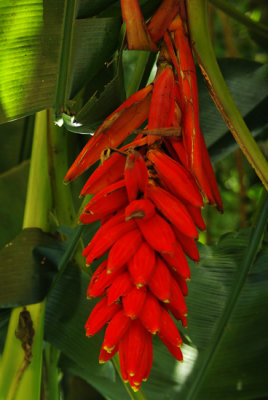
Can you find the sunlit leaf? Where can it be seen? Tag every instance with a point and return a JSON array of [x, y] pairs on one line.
[[30, 37]]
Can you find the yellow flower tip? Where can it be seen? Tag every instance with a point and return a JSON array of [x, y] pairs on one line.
[[139, 285], [181, 361], [109, 271], [89, 297], [145, 380], [134, 388], [131, 374], [101, 361], [166, 301], [108, 349], [87, 265], [188, 279], [185, 315], [125, 380]]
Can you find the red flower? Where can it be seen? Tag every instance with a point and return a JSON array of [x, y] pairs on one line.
[[148, 199]]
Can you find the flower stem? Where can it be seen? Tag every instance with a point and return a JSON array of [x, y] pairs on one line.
[[202, 46], [255, 239], [254, 26]]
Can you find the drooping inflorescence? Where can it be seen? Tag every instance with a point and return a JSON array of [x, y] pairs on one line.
[[148, 196]]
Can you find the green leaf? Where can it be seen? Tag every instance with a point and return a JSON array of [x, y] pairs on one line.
[[67, 311], [25, 275], [13, 186], [247, 82], [14, 142], [30, 36], [90, 50], [89, 8]]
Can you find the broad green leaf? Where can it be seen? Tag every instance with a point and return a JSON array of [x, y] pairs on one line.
[[30, 36], [109, 384], [13, 186], [247, 82], [95, 99], [25, 275], [94, 42], [4, 318], [148, 7], [89, 8], [67, 311], [15, 137]]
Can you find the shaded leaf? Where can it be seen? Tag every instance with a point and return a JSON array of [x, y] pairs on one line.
[[247, 82], [109, 384], [12, 137], [94, 42], [13, 186], [88, 8], [66, 314], [25, 275]]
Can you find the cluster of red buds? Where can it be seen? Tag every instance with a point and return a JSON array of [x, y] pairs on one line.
[[148, 196]]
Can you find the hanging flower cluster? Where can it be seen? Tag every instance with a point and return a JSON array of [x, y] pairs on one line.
[[148, 196]]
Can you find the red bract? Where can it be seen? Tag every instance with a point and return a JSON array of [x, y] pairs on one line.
[[148, 198]]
